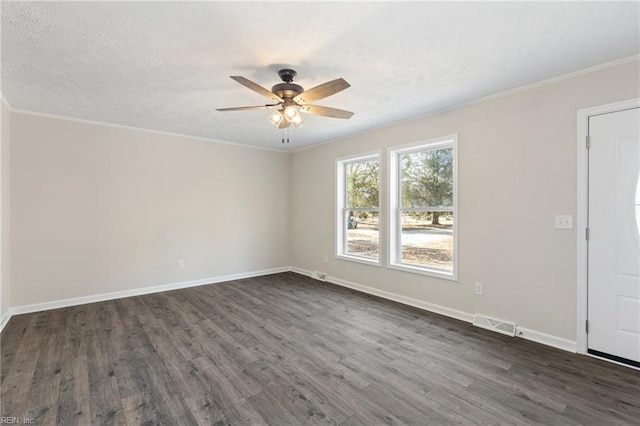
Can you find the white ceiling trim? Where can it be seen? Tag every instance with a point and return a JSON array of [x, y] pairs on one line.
[[506, 93], [419, 117], [166, 66], [6, 102], [139, 129], [122, 126]]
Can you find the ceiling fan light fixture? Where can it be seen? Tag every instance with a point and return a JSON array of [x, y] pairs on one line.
[[297, 121], [290, 113], [276, 117], [290, 102]]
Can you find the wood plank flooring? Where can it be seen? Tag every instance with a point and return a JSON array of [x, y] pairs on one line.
[[288, 350]]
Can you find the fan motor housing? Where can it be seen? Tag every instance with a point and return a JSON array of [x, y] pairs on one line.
[[287, 75], [287, 90]]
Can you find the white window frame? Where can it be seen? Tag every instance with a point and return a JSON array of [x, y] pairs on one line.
[[341, 208], [394, 255]]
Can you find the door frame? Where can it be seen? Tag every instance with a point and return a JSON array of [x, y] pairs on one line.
[[582, 219]]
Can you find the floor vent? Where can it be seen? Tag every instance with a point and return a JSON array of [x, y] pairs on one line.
[[499, 326], [320, 276]]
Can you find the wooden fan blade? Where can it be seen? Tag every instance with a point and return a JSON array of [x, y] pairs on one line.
[[257, 88], [322, 91], [326, 111], [246, 108]]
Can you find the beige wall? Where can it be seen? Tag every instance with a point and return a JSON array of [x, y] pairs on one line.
[[517, 169], [98, 209], [4, 212]]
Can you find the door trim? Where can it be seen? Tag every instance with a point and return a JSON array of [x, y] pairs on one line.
[[583, 211]]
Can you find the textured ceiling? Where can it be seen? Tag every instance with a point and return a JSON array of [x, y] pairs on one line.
[[166, 65]]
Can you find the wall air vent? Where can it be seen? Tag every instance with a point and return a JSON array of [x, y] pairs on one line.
[[320, 276], [499, 326]]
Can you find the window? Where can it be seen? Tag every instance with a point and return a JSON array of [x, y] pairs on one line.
[[423, 202], [358, 212]]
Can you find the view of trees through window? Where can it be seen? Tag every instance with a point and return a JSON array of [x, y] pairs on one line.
[[426, 208], [361, 213], [422, 215]]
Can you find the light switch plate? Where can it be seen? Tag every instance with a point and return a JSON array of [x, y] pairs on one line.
[[564, 221]]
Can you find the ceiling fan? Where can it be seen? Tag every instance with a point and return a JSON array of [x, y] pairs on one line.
[[291, 99]]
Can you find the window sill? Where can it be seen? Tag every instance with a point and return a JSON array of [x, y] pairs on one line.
[[357, 259], [450, 276]]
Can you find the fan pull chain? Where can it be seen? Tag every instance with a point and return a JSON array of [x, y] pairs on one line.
[[287, 135]]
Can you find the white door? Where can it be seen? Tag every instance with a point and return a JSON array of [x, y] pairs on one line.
[[614, 236]]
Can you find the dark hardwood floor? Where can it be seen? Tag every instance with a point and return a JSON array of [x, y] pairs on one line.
[[288, 350]]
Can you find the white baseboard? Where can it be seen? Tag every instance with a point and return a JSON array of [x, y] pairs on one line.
[[300, 271], [5, 319], [524, 333], [37, 307], [438, 309], [547, 339]]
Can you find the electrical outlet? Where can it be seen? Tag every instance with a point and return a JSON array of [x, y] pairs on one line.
[[180, 263], [564, 221], [325, 258], [479, 289]]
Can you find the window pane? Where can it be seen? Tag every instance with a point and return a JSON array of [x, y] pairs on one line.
[[363, 234], [362, 183], [427, 239], [426, 178]]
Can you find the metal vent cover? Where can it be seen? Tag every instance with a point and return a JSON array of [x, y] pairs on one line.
[[320, 276], [499, 326]]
